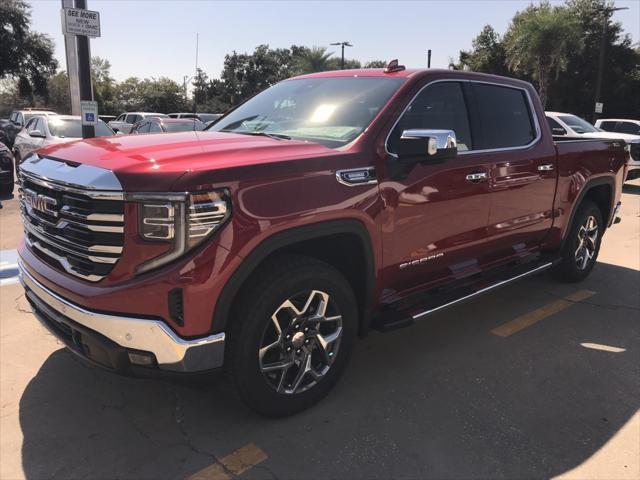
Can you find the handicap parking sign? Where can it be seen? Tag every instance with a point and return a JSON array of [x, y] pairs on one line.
[[89, 110]]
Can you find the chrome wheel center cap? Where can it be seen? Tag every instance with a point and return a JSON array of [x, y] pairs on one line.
[[297, 340]]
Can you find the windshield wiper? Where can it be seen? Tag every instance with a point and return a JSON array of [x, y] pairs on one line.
[[277, 136]]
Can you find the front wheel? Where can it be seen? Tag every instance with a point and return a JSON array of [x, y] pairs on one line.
[[293, 335], [582, 244]]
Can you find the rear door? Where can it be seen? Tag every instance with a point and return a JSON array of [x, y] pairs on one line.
[[435, 218], [523, 169]]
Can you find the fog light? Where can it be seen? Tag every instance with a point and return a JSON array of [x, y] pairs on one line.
[[142, 358]]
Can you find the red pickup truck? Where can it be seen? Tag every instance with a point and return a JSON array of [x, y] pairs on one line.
[[326, 206]]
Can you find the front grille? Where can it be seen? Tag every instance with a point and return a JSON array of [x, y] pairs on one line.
[[634, 151], [78, 231]]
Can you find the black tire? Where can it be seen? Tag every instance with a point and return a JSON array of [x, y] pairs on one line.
[[573, 268], [282, 278]]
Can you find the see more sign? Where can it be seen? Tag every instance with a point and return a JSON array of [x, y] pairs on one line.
[[76, 21]]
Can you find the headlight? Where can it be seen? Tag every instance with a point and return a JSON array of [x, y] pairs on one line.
[[183, 221]]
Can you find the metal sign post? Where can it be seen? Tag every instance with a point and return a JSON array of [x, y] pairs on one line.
[[79, 24]]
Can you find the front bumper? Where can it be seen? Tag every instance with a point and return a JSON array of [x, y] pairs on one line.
[[113, 341]]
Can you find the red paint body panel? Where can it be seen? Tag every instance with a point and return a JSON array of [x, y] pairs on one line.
[[279, 185]]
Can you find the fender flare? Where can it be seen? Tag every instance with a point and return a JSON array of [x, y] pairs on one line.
[[596, 182], [290, 237]]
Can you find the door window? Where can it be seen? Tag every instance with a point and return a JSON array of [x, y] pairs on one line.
[[132, 118], [143, 127], [556, 128], [608, 126], [31, 125], [154, 128], [440, 106], [628, 127], [40, 125], [505, 116]]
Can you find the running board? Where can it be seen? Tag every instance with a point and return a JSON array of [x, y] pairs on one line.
[[395, 318]]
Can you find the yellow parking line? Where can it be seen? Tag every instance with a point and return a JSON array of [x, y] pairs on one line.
[[541, 313], [233, 464]]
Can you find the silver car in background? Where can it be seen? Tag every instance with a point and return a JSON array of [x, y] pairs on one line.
[[42, 131], [125, 121]]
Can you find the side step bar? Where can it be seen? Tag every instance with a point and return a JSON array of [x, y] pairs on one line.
[[396, 318]]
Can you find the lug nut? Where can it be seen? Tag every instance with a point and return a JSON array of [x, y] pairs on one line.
[[307, 341], [298, 351], [288, 349], [306, 329], [295, 326], [288, 336]]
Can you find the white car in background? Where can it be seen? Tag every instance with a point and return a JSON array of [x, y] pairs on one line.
[[125, 120], [42, 131], [568, 125], [620, 125]]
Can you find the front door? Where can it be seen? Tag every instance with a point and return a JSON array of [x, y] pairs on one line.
[[434, 223]]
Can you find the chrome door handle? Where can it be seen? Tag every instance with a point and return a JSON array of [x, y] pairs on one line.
[[476, 177], [547, 167]]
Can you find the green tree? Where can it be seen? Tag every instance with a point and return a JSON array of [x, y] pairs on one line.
[[487, 55], [24, 55], [103, 86], [539, 42], [313, 59], [376, 64], [161, 95], [575, 90], [59, 96]]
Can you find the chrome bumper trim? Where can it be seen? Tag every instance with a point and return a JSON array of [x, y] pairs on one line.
[[172, 352]]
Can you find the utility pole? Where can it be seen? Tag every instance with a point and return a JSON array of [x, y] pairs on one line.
[[78, 24], [429, 58], [342, 44], [195, 106], [84, 72], [72, 65], [606, 14]]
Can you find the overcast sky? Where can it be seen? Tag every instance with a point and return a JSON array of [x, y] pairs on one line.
[[158, 37]]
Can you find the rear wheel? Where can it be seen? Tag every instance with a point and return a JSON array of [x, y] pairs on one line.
[[293, 335], [582, 245]]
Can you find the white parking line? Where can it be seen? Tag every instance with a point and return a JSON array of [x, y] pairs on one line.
[[8, 267]]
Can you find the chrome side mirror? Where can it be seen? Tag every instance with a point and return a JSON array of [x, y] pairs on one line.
[[427, 145]]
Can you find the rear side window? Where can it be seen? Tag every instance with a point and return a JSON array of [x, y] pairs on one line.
[[629, 127], [440, 106], [505, 117], [608, 126], [132, 118]]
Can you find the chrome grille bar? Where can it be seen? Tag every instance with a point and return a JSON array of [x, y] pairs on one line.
[[73, 216]]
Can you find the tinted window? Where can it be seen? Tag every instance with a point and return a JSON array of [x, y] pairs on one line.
[[329, 111], [556, 128], [183, 127], [154, 128], [132, 118], [504, 117], [440, 106], [31, 124], [121, 118], [629, 127], [608, 126]]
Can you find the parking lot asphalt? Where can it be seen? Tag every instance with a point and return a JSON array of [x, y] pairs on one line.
[[539, 379]]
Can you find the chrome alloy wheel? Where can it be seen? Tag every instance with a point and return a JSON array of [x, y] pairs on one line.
[[301, 342], [587, 241]]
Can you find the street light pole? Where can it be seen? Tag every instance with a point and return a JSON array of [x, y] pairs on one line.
[[342, 44], [606, 14]]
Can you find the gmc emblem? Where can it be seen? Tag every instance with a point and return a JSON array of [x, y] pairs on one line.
[[40, 202]]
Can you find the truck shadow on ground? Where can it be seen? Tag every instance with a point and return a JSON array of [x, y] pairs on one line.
[[444, 398]]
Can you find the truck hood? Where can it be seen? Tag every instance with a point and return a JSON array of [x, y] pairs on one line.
[[154, 162], [627, 137]]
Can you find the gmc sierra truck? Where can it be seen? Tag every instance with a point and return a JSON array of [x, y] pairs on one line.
[[326, 206]]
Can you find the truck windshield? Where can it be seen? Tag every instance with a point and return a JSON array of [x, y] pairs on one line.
[[577, 124], [330, 111]]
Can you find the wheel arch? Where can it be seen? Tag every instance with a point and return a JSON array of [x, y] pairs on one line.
[[599, 190], [354, 259]]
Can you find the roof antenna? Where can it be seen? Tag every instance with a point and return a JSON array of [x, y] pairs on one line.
[[393, 66]]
